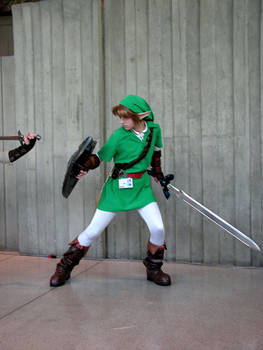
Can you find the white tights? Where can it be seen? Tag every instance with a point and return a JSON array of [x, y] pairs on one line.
[[101, 219]]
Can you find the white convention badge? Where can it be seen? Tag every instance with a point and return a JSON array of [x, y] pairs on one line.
[[126, 182]]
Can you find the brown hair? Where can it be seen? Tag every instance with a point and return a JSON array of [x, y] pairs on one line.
[[124, 112]]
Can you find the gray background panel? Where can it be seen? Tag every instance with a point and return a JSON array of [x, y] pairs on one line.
[[198, 63]]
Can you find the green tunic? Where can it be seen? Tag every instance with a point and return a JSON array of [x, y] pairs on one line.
[[124, 146]]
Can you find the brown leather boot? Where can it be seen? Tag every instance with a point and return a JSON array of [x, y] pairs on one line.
[[153, 263], [70, 259]]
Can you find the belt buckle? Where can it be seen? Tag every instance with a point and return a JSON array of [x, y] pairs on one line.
[[122, 173]]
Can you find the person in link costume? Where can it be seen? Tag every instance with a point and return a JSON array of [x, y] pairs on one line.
[[14, 154], [126, 190]]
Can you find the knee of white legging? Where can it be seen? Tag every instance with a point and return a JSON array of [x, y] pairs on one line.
[[86, 239], [157, 236]]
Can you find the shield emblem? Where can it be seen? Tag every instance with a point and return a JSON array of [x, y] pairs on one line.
[[76, 163]]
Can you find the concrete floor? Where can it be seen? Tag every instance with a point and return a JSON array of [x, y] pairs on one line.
[[110, 305]]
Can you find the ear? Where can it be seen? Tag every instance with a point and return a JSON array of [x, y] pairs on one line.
[[143, 115]]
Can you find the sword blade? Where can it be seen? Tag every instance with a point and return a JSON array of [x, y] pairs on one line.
[[5, 138], [215, 218]]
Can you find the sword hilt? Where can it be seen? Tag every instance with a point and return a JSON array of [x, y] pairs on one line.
[[164, 183], [21, 137]]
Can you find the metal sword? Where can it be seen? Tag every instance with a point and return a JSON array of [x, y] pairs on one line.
[[18, 137], [213, 217], [166, 185]]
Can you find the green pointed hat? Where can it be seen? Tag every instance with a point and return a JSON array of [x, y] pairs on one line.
[[137, 105]]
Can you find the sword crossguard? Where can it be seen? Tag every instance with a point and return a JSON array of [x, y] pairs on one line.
[[20, 137]]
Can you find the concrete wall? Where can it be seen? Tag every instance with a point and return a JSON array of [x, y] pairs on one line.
[[57, 89], [198, 63], [8, 177]]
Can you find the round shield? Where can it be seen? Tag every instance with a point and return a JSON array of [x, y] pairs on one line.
[[76, 163]]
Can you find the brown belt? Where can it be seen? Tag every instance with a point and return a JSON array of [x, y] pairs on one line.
[[133, 175]]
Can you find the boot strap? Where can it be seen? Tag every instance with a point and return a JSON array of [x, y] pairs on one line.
[[156, 261], [152, 265]]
